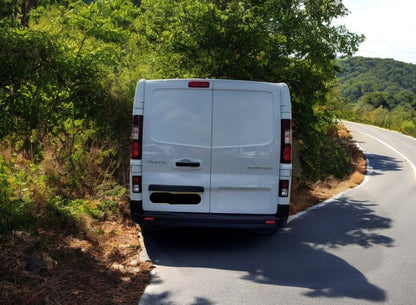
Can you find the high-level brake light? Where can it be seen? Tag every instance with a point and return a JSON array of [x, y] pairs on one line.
[[198, 84], [286, 141]]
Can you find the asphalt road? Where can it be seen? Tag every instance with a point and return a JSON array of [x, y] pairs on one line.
[[357, 248]]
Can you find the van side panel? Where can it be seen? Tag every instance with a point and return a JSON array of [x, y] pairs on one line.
[[136, 164], [176, 150], [285, 171], [245, 150]]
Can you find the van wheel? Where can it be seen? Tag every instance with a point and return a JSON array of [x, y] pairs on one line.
[[282, 222]]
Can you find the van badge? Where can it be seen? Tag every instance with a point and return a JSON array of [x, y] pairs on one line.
[[267, 168], [153, 162]]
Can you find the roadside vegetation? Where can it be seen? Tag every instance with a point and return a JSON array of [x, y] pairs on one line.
[[67, 79]]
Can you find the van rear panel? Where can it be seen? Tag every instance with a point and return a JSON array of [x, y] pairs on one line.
[[244, 150], [211, 152], [176, 147]]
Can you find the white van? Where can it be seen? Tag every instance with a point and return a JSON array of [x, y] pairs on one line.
[[211, 153]]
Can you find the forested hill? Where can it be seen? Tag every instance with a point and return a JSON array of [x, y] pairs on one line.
[[381, 92], [362, 76]]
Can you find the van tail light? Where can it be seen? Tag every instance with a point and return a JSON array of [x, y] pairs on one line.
[[198, 84], [286, 141], [283, 188], [136, 184], [136, 137]]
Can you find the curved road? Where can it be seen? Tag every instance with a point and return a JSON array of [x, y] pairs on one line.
[[357, 248]]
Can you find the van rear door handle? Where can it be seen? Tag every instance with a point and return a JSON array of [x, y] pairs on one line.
[[187, 163]]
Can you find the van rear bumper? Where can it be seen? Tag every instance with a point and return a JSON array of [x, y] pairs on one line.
[[240, 221]]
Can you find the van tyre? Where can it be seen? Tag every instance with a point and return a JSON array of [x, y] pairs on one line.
[[282, 222]]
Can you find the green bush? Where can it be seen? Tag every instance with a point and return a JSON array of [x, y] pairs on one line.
[[15, 213], [409, 127], [325, 157]]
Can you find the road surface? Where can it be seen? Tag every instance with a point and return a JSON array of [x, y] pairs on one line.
[[357, 248]]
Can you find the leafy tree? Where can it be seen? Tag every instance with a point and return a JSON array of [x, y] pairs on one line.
[[274, 40], [375, 99], [407, 97], [8, 12], [28, 83]]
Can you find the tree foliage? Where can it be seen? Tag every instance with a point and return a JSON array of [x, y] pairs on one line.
[[394, 79]]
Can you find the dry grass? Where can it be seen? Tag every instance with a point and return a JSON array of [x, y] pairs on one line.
[[48, 268]]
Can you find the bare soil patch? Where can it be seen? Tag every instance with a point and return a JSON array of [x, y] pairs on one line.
[[47, 267]]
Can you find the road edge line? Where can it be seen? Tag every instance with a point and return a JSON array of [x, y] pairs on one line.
[[395, 150]]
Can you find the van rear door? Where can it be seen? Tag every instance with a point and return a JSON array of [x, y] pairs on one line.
[[177, 146], [245, 148]]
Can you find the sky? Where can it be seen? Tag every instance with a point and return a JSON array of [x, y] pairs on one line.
[[388, 25]]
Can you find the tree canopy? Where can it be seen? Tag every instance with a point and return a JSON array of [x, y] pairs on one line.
[[361, 75]]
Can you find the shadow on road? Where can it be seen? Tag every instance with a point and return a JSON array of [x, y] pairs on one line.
[[381, 164], [298, 256]]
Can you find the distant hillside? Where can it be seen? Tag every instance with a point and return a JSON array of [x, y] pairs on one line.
[[382, 92], [384, 82]]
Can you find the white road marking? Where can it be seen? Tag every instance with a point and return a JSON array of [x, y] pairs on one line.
[[393, 149]]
